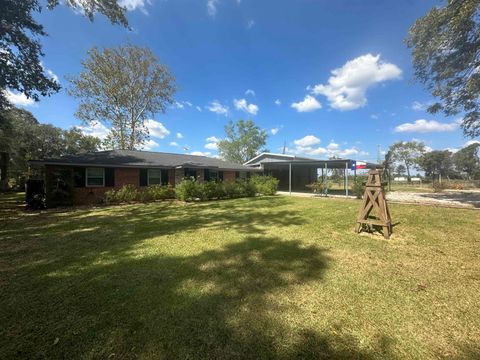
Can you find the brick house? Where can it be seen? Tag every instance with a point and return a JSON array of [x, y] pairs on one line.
[[95, 173]]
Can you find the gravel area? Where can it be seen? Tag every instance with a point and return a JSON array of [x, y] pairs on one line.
[[464, 199]]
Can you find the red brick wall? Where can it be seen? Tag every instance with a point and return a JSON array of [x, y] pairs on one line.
[[229, 176], [91, 195]]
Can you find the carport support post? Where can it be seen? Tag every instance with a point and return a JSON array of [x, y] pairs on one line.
[[290, 178], [346, 179]]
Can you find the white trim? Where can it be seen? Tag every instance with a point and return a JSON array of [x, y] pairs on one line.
[[271, 154], [86, 176], [148, 176]]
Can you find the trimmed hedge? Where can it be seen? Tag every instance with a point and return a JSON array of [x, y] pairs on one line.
[[191, 190]]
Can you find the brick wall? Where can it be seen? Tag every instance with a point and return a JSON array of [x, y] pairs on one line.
[[229, 176]]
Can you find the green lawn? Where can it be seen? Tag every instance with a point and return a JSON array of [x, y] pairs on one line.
[[271, 277]]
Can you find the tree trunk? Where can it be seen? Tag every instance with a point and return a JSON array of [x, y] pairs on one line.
[[4, 159], [409, 179]]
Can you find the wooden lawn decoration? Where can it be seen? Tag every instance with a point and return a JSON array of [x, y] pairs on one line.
[[374, 199]]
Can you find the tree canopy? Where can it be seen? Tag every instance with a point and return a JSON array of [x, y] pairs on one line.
[[445, 49], [467, 161], [406, 153], [437, 162], [243, 141], [122, 87], [20, 66]]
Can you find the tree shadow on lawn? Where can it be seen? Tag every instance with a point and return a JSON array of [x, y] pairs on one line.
[[87, 286], [219, 304]]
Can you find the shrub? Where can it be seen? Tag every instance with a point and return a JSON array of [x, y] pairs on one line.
[[160, 192], [265, 185], [358, 186], [187, 190], [127, 193], [320, 186]]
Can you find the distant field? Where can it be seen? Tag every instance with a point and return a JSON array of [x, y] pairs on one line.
[[260, 278]]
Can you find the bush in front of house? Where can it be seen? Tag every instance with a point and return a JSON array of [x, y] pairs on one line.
[[265, 185], [130, 193], [358, 186]]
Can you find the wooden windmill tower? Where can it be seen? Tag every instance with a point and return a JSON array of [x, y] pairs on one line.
[[374, 199]]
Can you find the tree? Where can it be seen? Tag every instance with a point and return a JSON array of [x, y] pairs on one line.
[[437, 162], [122, 87], [467, 160], [20, 65], [445, 45], [23, 138], [400, 170], [407, 153], [243, 141]]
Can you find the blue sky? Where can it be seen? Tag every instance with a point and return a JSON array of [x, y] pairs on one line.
[[325, 77]]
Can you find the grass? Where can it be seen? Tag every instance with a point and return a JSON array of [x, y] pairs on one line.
[[271, 277]]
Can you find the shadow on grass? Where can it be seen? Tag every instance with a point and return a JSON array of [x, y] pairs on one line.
[[60, 301]]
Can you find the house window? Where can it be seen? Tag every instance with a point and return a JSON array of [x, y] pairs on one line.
[[95, 177], [210, 175], [154, 177], [190, 173]]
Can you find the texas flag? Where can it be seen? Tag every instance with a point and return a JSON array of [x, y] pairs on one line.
[[356, 165]]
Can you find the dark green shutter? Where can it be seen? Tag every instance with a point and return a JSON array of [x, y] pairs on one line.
[[110, 177], [220, 175], [143, 177], [79, 176], [206, 175], [164, 177]]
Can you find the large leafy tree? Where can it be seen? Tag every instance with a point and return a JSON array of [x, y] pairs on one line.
[[467, 161], [445, 47], [407, 153], [23, 138], [437, 162], [243, 141], [20, 48], [122, 87]]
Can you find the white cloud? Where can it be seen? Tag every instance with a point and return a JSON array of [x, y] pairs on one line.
[[332, 146], [96, 129], [424, 126], [212, 143], [217, 108], [149, 145], [241, 104], [156, 128], [201, 153], [134, 4], [308, 104], [471, 142], [18, 99], [250, 24], [250, 92], [198, 108], [173, 143], [274, 131], [419, 106], [179, 135], [278, 102], [212, 7], [188, 103], [308, 140], [374, 116], [347, 87]]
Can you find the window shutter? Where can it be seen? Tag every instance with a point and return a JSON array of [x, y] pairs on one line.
[[110, 177], [220, 175], [164, 177], [79, 176], [206, 175], [143, 177]]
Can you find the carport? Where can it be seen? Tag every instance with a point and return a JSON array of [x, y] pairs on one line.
[[295, 175]]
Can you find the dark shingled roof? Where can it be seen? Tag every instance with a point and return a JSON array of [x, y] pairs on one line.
[[136, 158]]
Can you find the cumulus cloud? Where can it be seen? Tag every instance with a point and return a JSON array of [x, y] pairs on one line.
[[212, 7], [308, 104], [217, 108], [179, 135], [471, 142], [134, 4], [250, 92], [18, 99], [308, 140], [419, 106], [346, 88], [425, 126], [278, 102], [198, 108], [333, 146], [243, 105], [149, 145], [201, 153], [95, 129], [274, 131], [212, 143], [173, 143], [156, 128]]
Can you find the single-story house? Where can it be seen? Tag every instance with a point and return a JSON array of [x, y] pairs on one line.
[[95, 173]]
